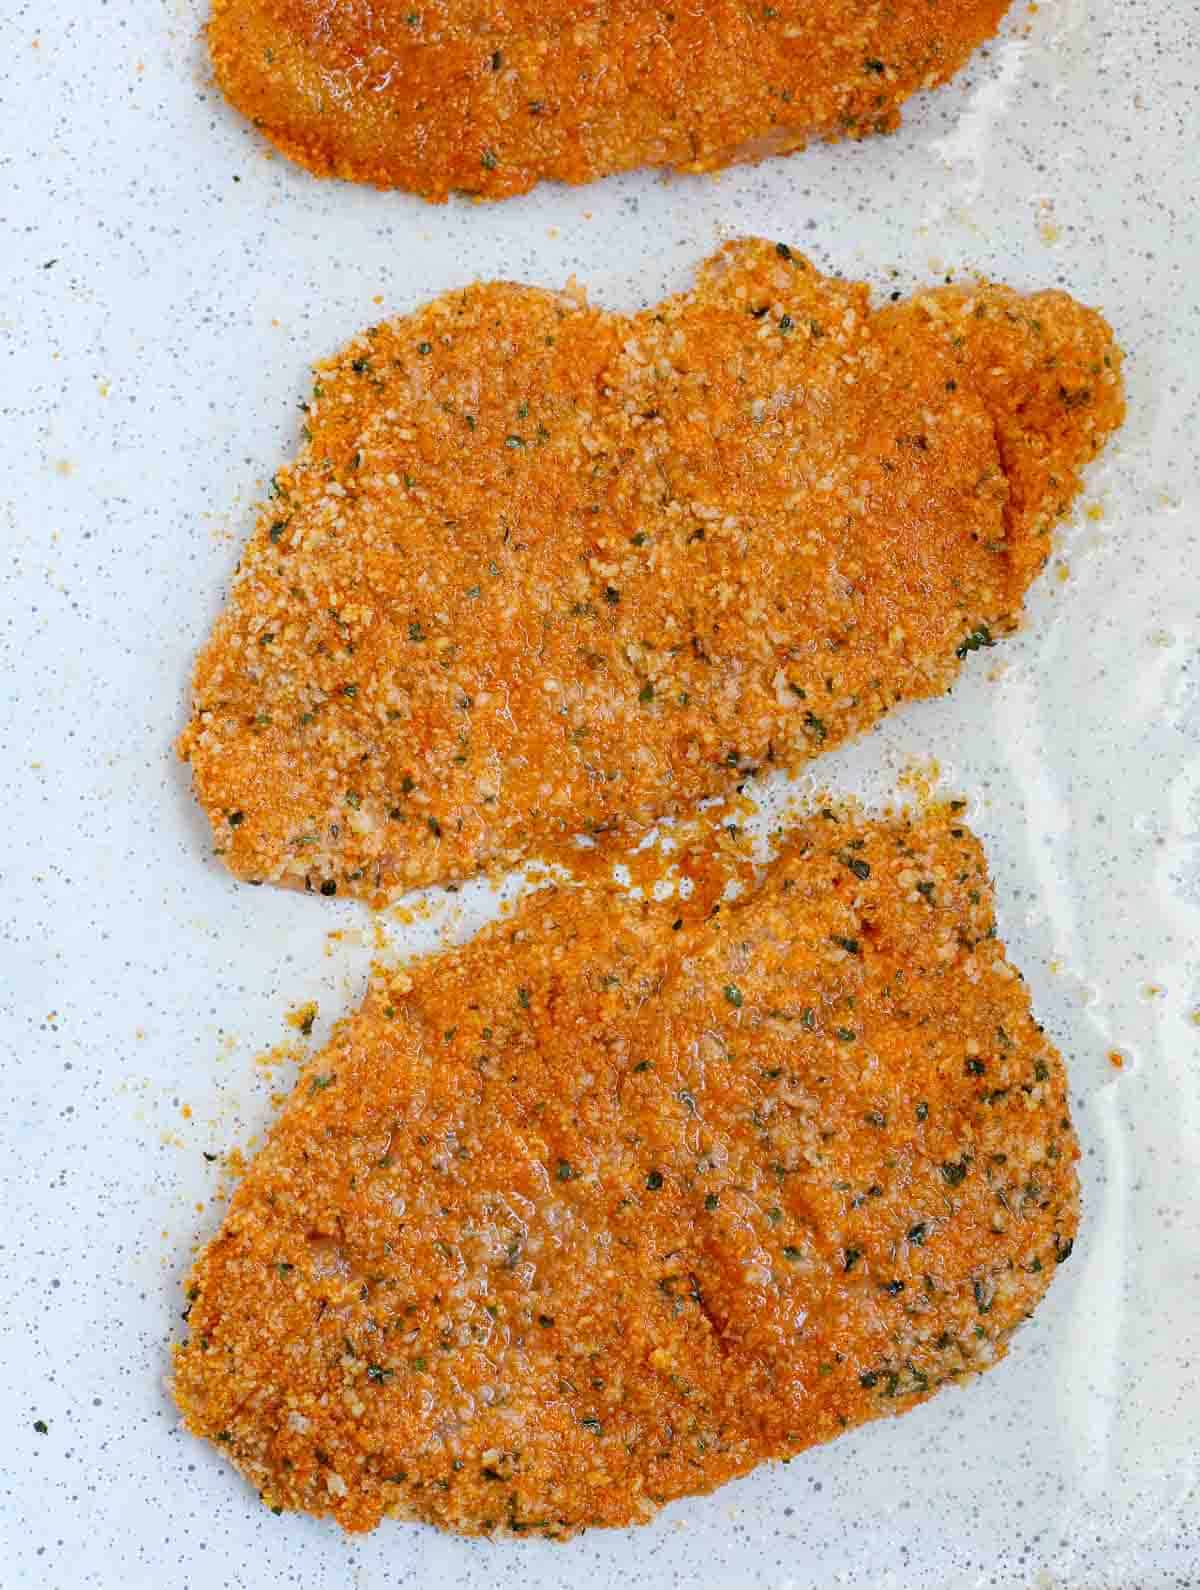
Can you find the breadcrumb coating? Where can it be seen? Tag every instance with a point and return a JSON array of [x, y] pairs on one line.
[[438, 99], [541, 570], [610, 1205]]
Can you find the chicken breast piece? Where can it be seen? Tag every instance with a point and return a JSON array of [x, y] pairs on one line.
[[439, 98], [606, 1207], [542, 570]]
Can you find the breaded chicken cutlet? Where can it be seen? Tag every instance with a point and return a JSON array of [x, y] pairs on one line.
[[438, 99], [542, 570], [606, 1207]]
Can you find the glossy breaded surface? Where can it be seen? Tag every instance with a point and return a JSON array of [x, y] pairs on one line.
[[607, 1206], [438, 98], [543, 570]]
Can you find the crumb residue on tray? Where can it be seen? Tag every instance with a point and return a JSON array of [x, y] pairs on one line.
[[280, 1054]]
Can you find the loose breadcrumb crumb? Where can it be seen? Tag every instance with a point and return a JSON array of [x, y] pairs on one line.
[[440, 98]]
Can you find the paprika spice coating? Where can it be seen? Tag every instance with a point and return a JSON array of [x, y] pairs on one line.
[[608, 1206], [541, 570], [439, 98]]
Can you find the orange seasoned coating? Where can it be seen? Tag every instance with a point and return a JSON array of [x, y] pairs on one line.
[[439, 98], [540, 570], [609, 1205]]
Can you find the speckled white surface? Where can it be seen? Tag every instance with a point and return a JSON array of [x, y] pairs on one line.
[[166, 287]]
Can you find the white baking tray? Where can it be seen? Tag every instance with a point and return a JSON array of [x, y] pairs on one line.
[[167, 285]]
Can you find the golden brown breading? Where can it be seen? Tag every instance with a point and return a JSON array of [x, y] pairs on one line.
[[541, 569], [438, 99], [607, 1206]]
